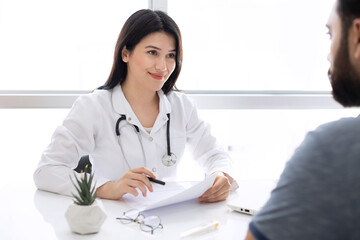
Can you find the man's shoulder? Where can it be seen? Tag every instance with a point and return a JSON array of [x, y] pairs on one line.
[[350, 126], [328, 143]]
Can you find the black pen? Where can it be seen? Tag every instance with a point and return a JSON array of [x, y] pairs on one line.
[[156, 181]]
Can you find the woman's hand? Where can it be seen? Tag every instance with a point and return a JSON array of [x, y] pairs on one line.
[[219, 191], [134, 178]]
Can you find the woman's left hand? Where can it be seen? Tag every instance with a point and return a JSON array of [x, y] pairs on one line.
[[219, 191]]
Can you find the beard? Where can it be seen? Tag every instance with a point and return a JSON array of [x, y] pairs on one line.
[[344, 79]]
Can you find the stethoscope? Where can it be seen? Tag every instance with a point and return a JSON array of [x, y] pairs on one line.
[[169, 159]]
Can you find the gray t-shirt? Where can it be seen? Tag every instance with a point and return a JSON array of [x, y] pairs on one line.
[[318, 194]]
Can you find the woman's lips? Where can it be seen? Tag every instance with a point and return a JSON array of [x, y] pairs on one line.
[[156, 76]]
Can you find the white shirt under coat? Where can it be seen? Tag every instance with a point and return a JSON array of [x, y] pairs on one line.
[[89, 129]]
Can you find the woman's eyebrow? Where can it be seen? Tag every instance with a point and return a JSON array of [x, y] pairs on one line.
[[151, 46]]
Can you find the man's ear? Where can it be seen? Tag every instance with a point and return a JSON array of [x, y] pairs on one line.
[[356, 38], [125, 54]]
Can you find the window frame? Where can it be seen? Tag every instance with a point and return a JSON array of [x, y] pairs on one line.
[[203, 99]]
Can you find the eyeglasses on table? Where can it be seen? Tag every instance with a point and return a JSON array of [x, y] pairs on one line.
[[147, 224]]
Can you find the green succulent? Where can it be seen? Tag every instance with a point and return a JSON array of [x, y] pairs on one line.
[[86, 193]]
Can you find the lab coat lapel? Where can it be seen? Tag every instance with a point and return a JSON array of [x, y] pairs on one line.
[[122, 106], [164, 108]]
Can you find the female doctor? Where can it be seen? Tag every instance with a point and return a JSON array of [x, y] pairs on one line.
[[137, 124]]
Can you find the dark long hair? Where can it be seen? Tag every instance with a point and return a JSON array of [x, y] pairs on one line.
[[348, 10], [139, 25]]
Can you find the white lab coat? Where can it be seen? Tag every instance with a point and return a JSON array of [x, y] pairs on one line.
[[89, 129]]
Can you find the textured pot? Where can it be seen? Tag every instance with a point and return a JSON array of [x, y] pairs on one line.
[[85, 219]]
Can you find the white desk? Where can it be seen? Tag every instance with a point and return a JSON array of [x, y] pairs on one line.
[[27, 213]]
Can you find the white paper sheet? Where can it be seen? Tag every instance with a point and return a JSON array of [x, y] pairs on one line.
[[169, 194]]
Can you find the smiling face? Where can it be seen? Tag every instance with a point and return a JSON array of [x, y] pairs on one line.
[[151, 62]]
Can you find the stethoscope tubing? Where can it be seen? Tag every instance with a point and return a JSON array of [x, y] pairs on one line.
[[168, 135], [168, 160]]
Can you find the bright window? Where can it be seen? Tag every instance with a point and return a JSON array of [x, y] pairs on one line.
[[60, 45], [261, 141], [253, 44], [228, 44]]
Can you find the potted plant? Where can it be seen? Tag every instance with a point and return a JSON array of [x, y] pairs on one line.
[[86, 214]]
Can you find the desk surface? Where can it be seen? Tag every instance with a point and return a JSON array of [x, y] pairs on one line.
[[27, 213]]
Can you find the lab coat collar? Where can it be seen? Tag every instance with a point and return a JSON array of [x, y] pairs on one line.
[[122, 106]]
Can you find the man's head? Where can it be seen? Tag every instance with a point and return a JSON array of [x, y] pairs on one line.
[[344, 72]]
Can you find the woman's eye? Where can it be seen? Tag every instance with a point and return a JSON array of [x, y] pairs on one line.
[[152, 52], [171, 55]]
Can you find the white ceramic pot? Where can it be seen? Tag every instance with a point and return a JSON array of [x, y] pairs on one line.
[[85, 219]]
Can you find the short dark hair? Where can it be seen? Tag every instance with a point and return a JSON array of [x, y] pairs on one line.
[[348, 10], [139, 25]]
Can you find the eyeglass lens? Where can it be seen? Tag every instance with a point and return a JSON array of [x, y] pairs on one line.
[[147, 224], [131, 216]]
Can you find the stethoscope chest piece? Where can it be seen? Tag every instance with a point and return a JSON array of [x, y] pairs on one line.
[[169, 160]]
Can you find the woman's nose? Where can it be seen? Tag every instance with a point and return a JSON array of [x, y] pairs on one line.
[[161, 64]]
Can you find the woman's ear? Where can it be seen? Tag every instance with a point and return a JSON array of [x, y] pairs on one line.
[[356, 38], [125, 54]]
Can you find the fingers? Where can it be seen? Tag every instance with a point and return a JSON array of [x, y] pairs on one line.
[[132, 191], [143, 170], [218, 192], [129, 183], [136, 180], [141, 178], [215, 197], [133, 185]]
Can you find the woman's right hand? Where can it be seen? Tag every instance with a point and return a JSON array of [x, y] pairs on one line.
[[134, 178]]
